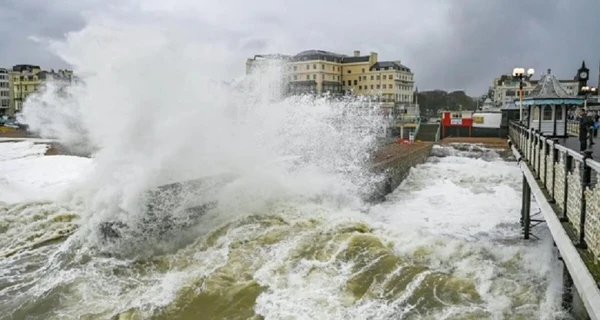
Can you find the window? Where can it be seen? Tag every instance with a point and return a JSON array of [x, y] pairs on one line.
[[359, 87], [349, 71], [363, 70], [322, 67], [295, 77], [372, 87], [314, 66], [378, 77], [558, 113], [384, 77], [349, 82], [547, 113], [536, 113], [307, 77], [378, 87], [295, 68], [314, 77], [391, 86], [355, 82], [384, 86], [372, 77], [308, 67]]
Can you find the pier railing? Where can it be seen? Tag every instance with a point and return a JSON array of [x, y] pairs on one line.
[[573, 128], [569, 179]]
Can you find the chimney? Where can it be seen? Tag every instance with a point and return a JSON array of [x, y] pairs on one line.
[[357, 53], [549, 71], [373, 58]]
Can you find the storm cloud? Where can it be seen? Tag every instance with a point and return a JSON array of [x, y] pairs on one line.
[[451, 45]]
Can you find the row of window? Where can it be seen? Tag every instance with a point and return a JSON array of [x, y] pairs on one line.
[[4, 94], [384, 86], [26, 88], [355, 82], [547, 113], [3, 84], [349, 71], [4, 103]]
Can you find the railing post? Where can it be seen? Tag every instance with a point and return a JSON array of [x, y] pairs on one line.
[[539, 157], [546, 152], [527, 145], [526, 215], [523, 205], [555, 154], [586, 181], [521, 134], [568, 164], [533, 166], [531, 145]]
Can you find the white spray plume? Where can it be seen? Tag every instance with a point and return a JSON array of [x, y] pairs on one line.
[[152, 108]]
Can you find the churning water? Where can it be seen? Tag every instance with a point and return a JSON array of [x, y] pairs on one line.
[[445, 245], [288, 236]]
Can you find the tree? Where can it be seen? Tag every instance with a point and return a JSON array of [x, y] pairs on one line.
[[431, 102]]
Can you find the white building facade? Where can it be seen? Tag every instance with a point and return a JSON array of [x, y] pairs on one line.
[[506, 89], [4, 92]]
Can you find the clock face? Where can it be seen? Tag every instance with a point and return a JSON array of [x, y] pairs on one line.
[[583, 75]]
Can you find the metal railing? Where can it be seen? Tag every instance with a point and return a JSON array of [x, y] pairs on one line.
[[418, 127], [438, 133], [570, 181]]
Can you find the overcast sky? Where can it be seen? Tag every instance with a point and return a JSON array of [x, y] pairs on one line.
[[458, 44]]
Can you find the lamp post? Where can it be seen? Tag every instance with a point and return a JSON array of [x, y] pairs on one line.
[[587, 91], [520, 73]]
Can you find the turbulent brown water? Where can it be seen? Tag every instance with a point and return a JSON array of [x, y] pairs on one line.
[[445, 245]]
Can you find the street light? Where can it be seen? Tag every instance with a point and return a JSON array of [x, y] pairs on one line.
[[519, 73], [586, 92]]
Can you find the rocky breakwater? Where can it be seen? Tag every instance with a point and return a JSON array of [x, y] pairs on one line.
[[393, 162]]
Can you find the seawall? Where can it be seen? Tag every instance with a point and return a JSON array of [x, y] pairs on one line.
[[394, 162]]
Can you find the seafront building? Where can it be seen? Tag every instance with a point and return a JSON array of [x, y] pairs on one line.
[[505, 89], [4, 92], [24, 82], [322, 72], [17, 84]]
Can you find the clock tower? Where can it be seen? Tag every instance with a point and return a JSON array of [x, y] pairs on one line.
[[583, 74]]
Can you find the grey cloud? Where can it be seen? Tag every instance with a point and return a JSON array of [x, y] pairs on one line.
[[25, 18], [489, 38], [460, 44]]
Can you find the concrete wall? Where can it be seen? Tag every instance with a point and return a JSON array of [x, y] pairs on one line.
[[396, 169]]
